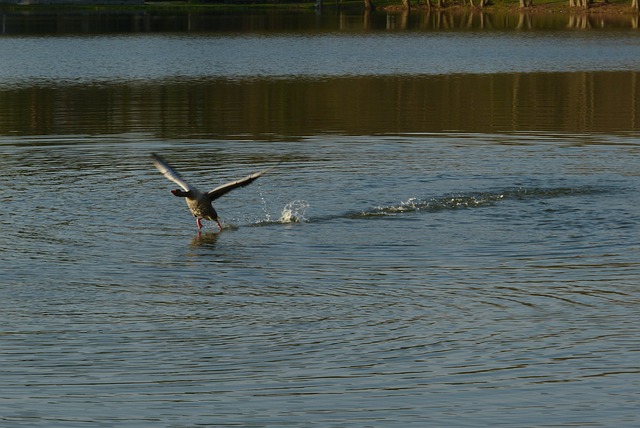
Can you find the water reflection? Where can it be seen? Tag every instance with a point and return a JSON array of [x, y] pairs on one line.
[[330, 20], [205, 239], [570, 102]]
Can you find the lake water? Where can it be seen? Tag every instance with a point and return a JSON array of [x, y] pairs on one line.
[[450, 236]]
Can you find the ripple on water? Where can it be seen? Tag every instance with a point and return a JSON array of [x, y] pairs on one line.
[[413, 298]]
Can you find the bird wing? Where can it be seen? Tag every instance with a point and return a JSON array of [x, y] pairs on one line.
[[225, 188], [169, 172]]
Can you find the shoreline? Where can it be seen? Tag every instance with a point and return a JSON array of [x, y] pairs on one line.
[[611, 7]]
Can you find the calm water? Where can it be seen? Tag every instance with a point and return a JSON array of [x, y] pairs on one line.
[[445, 242]]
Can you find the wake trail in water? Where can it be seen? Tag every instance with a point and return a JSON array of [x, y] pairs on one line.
[[472, 200], [295, 211]]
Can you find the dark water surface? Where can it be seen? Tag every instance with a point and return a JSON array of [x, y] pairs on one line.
[[445, 242]]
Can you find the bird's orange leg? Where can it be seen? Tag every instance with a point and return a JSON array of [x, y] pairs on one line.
[[219, 225], [199, 223]]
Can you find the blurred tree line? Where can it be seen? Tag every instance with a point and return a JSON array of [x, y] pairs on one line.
[[372, 4]]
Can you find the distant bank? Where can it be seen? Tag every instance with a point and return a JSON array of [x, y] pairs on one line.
[[73, 2], [615, 7]]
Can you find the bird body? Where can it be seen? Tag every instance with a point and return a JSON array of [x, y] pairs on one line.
[[199, 203]]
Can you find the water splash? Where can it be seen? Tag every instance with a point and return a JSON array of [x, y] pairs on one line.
[[265, 207], [435, 204], [294, 212]]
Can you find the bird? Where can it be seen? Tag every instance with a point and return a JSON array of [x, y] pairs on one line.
[[200, 203]]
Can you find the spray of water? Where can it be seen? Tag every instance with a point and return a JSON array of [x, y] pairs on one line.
[[265, 208], [294, 212]]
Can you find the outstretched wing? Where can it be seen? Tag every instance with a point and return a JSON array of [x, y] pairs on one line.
[[169, 172], [225, 188]]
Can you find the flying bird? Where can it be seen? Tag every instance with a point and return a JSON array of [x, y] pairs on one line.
[[199, 203]]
